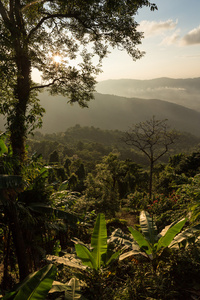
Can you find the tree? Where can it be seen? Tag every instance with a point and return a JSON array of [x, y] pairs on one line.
[[153, 138], [111, 181], [34, 33], [54, 157], [61, 39]]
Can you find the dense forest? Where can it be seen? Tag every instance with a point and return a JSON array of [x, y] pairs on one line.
[[91, 229], [90, 213]]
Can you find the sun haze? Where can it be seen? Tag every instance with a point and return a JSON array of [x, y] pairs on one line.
[[57, 59]]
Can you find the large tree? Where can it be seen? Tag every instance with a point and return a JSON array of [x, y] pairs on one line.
[[153, 137], [33, 32]]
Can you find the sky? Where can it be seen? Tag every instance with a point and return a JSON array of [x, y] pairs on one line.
[[171, 42]]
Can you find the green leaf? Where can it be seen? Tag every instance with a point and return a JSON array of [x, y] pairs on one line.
[[142, 242], [37, 285], [166, 240], [3, 147], [162, 233], [148, 227], [86, 257], [64, 186], [185, 236], [113, 257], [99, 239]]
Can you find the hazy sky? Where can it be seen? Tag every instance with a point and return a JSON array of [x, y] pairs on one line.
[[171, 43]]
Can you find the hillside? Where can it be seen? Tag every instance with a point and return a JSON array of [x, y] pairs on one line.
[[185, 92], [114, 112]]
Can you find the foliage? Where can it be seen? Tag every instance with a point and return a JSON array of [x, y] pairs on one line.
[[187, 164], [32, 33], [150, 244], [99, 256], [190, 192], [111, 180], [36, 286], [166, 209], [70, 289], [138, 201]]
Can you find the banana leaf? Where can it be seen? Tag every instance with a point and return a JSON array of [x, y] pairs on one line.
[[71, 289], [187, 235], [141, 240], [36, 286], [99, 240], [166, 239], [66, 260], [108, 260], [86, 256], [3, 147], [148, 227]]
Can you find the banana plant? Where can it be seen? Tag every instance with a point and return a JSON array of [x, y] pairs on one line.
[[99, 255], [149, 243], [34, 287], [71, 289]]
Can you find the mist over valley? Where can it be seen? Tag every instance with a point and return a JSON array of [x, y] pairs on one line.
[[121, 103]]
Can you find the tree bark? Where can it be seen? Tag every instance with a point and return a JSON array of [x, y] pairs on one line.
[[17, 234], [22, 94]]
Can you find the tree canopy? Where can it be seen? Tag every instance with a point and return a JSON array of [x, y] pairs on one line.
[[79, 32]]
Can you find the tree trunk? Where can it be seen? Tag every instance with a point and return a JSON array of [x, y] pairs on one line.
[[19, 243], [18, 130], [18, 126], [150, 179], [6, 254], [14, 23], [17, 235]]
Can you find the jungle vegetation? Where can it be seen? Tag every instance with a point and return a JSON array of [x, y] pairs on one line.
[[91, 229]]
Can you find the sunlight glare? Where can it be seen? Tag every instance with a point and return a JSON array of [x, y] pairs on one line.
[[57, 59]]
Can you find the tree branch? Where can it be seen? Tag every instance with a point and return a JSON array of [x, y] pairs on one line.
[[48, 17], [42, 86]]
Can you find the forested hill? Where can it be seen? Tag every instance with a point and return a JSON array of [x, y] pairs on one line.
[[185, 92], [113, 112]]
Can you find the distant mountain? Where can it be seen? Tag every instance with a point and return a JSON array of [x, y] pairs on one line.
[[185, 92], [114, 112]]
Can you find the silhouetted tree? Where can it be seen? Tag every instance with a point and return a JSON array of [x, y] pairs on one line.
[[32, 33], [153, 138]]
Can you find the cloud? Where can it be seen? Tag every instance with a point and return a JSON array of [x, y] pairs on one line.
[[171, 39], [192, 37], [151, 28]]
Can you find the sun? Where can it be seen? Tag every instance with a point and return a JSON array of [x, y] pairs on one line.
[[57, 59]]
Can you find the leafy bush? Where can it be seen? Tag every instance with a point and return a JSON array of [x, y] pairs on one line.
[[167, 209]]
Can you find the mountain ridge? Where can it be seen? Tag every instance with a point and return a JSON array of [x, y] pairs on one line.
[[109, 111], [181, 91], [115, 112]]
